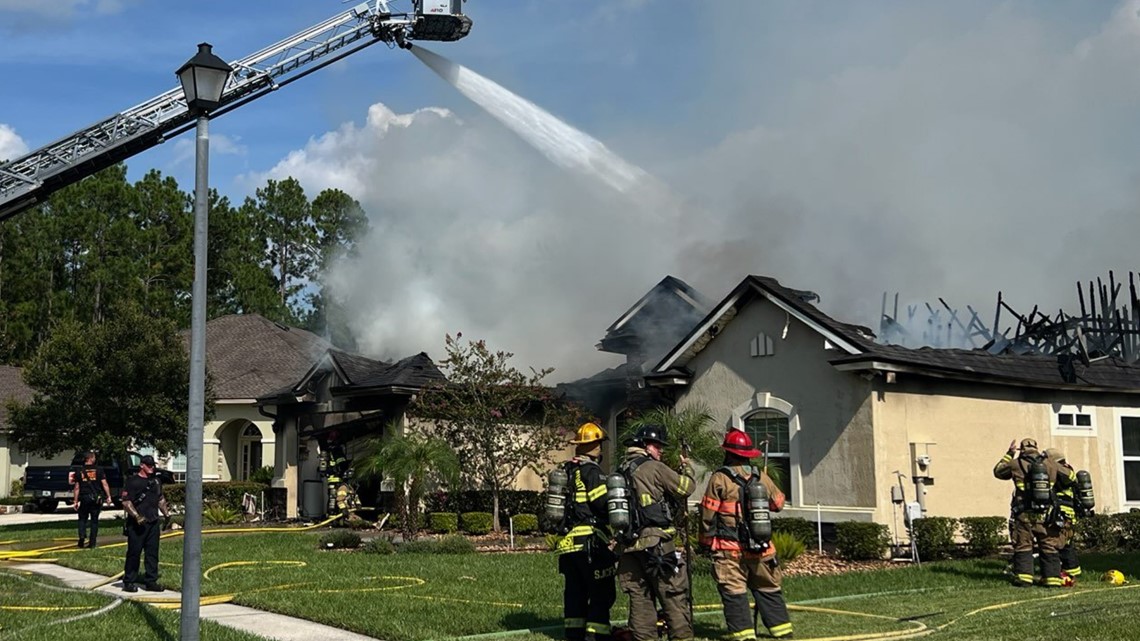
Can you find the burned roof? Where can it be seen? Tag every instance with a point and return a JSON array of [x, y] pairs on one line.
[[413, 372], [1054, 372], [12, 388], [249, 356], [657, 320], [853, 339]]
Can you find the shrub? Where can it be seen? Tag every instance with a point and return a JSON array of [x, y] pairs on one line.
[[418, 546], [226, 493], [379, 545], [788, 546], [220, 515], [802, 529], [510, 502], [983, 534], [455, 544], [552, 541], [1129, 525], [525, 523], [1099, 532], [443, 522], [857, 541], [934, 537], [475, 522], [340, 540], [262, 475], [17, 488]]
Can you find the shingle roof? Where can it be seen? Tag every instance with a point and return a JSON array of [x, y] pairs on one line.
[[12, 387], [657, 320], [1027, 369], [249, 356], [356, 367], [415, 371]]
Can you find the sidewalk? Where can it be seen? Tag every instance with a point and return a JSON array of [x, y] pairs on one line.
[[263, 624]]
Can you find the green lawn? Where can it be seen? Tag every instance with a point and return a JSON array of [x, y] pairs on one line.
[[408, 597]]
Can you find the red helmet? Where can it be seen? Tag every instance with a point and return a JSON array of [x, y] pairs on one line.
[[739, 443]]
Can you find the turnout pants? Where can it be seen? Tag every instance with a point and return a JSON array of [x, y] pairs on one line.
[[1049, 539], [658, 572], [1069, 561], [589, 592], [142, 540], [736, 574], [89, 509]]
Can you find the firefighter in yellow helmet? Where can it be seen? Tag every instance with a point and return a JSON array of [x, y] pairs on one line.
[[744, 557], [1070, 512], [1033, 519], [585, 558]]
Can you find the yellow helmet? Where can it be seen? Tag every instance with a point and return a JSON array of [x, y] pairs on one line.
[[1114, 577], [588, 433]]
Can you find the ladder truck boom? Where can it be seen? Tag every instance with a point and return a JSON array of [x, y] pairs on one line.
[[30, 179]]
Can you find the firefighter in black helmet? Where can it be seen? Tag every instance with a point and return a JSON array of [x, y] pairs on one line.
[[650, 564], [1033, 517], [584, 555]]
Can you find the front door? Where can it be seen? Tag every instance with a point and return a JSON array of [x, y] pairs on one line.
[[249, 452]]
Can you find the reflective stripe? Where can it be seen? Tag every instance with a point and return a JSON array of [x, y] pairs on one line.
[[579, 497], [1054, 580], [646, 499], [1025, 578], [1007, 458], [743, 634], [1074, 572], [1019, 485], [574, 623], [684, 485], [598, 628], [782, 630], [596, 493], [723, 507]]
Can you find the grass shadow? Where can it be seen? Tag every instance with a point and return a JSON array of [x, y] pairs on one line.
[[536, 623], [152, 622], [992, 570]]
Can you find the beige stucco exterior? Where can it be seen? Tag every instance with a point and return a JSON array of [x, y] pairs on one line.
[[226, 436], [13, 460], [851, 431]]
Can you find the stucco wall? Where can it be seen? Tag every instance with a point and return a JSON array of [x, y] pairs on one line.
[[972, 426], [833, 457], [221, 444], [13, 461]]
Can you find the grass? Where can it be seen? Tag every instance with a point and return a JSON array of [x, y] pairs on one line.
[[413, 597], [30, 606]]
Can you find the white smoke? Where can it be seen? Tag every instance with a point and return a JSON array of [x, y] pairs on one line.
[[992, 153], [11, 145]]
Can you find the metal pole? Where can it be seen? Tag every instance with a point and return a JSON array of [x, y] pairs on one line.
[[192, 541]]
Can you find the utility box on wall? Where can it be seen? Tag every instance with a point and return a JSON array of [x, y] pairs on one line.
[[921, 462]]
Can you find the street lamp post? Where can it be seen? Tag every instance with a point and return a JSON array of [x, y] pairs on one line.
[[203, 79]]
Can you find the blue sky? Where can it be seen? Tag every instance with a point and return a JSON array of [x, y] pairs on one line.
[[932, 148]]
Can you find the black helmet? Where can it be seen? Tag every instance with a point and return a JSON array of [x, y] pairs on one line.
[[649, 434]]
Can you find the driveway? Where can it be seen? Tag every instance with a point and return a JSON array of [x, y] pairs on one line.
[[59, 515]]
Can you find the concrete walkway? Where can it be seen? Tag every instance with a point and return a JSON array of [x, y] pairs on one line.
[[263, 624], [22, 518]]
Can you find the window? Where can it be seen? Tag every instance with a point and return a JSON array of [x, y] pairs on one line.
[[772, 426], [1074, 420], [1130, 452]]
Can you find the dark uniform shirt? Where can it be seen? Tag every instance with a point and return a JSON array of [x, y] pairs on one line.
[[587, 512], [144, 494], [90, 481]]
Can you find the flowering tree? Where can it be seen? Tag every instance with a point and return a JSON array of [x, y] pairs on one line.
[[499, 420]]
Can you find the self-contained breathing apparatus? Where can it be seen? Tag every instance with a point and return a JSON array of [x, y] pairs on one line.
[[753, 520], [1040, 495], [627, 513], [554, 516], [1086, 499]]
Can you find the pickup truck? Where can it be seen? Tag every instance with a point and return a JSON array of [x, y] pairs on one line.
[[45, 486]]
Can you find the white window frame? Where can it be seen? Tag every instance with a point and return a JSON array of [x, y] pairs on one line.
[[766, 401], [1090, 430], [1119, 414]]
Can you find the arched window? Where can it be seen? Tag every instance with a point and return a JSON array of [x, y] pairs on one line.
[[772, 426]]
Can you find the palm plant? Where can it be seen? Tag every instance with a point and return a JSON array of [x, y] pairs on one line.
[[412, 462], [693, 425]]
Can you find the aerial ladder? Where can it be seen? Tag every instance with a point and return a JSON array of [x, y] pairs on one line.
[[30, 179]]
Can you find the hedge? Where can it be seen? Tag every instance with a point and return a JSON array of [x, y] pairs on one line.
[[983, 534], [801, 528], [228, 494], [340, 539], [1100, 532], [443, 522], [475, 522], [1129, 524], [510, 502], [858, 541], [525, 523], [934, 537]]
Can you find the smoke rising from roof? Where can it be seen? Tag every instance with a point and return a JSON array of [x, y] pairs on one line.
[[946, 158]]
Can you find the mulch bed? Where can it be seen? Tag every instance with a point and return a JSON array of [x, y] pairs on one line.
[[813, 564]]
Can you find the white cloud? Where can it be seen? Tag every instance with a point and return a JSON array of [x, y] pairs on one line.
[[220, 144], [11, 145]]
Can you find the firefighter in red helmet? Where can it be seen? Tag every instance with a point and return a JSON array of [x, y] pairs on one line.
[[737, 529]]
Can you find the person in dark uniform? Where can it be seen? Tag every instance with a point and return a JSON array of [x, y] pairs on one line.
[[91, 492], [144, 503]]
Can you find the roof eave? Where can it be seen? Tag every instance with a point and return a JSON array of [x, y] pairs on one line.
[[969, 377]]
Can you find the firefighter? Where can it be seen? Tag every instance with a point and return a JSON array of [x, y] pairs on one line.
[[1070, 512], [1033, 519], [742, 560], [585, 558], [338, 471], [91, 493], [144, 503], [650, 566]]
